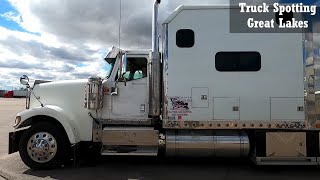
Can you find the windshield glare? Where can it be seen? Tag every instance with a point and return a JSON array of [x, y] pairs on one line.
[[110, 67]]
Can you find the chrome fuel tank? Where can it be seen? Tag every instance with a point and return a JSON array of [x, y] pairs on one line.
[[207, 143]]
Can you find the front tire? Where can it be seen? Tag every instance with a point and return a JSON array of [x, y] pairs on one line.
[[44, 146]]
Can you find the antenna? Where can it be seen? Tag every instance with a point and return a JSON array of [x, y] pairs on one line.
[[119, 23]]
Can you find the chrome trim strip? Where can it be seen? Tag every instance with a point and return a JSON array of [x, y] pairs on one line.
[[309, 78], [224, 124]]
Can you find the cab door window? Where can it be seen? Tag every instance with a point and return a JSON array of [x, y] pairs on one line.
[[136, 69]]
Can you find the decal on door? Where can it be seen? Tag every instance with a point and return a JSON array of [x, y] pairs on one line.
[[179, 106]]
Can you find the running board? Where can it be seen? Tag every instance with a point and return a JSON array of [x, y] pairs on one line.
[[129, 151]]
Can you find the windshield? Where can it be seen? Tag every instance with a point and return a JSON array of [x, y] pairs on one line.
[[110, 67]]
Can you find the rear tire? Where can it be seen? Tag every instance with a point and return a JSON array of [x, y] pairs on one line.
[[44, 146]]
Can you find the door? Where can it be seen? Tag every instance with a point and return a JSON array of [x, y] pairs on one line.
[[287, 109], [226, 108], [131, 99]]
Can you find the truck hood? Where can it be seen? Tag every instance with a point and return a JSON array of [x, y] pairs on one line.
[[59, 93]]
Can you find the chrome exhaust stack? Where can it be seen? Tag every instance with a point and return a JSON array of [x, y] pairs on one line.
[[155, 43], [155, 67]]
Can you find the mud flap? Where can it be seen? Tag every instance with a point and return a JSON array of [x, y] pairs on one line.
[[13, 145], [14, 138]]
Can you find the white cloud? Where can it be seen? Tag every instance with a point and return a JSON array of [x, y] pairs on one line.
[[68, 35], [30, 21], [41, 57]]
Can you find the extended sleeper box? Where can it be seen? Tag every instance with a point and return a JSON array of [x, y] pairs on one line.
[[212, 74]]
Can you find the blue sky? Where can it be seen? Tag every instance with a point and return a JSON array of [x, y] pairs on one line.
[[6, 9], [9, 24]]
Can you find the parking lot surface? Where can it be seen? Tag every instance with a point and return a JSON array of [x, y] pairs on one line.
[[11, 166]]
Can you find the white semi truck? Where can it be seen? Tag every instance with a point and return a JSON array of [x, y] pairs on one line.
[[209, 93]]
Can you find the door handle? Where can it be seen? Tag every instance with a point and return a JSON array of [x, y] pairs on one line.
[[203, 97], [114, 91], [235, 108]]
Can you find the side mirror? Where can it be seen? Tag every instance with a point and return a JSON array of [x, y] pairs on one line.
[[24, 80], [124, 68]]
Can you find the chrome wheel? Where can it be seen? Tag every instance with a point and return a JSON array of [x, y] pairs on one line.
[[42, 147]]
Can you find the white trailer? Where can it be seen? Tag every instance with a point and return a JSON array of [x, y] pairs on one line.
[[209, 93], [20, 93]]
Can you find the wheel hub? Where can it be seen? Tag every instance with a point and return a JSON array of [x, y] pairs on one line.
[[42, 147]]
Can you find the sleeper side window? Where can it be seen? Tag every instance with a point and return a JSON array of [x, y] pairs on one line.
[[185, 38], [238, 61]]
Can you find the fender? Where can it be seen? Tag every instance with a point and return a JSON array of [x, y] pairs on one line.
[[54, 112]]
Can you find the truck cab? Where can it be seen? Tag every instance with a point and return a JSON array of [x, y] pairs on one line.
[[127, 87]]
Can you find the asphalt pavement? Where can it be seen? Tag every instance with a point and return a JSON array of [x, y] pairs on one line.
[[142, 168]]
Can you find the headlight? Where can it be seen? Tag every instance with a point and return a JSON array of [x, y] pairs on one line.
[[17, 121]]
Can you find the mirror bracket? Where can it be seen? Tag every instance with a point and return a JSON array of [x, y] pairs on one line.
[[124, 79]]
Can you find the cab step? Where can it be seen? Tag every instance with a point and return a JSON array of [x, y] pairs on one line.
[[130, 151], [286, 161]]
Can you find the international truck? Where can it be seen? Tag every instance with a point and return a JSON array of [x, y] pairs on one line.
[[208, 93]]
